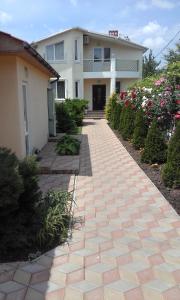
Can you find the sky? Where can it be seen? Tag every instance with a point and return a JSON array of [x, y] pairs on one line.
[[152, 23]]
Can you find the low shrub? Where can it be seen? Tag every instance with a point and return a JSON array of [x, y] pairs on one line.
[[65, 121], [155, 150], [55, 211], [140, 129], [28, 169], [128, 123], [171, 170], [76, 108], [67, 145], [11, 183]]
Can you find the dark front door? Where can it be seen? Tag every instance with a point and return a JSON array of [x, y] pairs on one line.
[[99, 96]]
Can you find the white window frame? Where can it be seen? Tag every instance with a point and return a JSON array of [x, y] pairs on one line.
[[76, 44], [54, 58], [60, 99], [102, 54]]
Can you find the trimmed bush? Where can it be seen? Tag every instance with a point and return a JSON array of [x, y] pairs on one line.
[[140, 129], [128, 123], [11, 182], [76, 108], [155, 150], [171, 170], [67, 145], [110, 106], [116, 116], [122, 118], [65, 122]]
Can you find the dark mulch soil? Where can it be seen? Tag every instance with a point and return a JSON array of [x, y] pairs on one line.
[[172, 195]]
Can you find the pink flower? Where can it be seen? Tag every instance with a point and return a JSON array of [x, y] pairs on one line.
[[162, 103], [178, 87], [177, 116]]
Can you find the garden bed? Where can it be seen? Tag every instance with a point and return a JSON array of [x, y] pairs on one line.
[[172, 195]]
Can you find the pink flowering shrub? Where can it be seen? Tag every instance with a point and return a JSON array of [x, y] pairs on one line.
[[159, 100]]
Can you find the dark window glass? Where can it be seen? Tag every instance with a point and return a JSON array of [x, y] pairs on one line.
[[76, 89], [107, 54], [60, 89], [118, 87], [97, 54]]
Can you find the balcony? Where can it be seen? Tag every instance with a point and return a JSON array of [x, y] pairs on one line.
[[118, 67]]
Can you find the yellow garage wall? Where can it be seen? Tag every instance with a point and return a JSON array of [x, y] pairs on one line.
[[10, 136]]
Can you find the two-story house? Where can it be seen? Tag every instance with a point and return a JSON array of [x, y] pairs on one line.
[[92, 65]]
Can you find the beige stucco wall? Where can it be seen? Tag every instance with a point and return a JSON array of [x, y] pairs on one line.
[[12, 76], [37, 83], [10, 135]]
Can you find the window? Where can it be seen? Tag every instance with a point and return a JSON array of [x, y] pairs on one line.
[[118, 87], [107, 54], [59, 51], [76, 89], [76, 56], [60, 90], [55, 52], [50, 52], [97, 54], [102, 54]]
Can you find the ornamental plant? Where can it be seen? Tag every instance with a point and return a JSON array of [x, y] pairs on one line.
[[140, 129], [116, 116], [155, 150], [67, 145], [171, 170], [128, 126], [122, 118]]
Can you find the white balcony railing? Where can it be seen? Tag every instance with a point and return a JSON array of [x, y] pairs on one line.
[[127, 65], [89, 65]]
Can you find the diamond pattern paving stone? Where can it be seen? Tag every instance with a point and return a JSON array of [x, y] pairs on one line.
[[84, 290], [122, 290], [159, 290], [126, 238], [13, 290], [45, 290]]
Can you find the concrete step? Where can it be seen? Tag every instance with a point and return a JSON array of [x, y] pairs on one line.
[[96, 114]]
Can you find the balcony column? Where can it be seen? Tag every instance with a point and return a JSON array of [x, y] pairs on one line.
[[113, 75]]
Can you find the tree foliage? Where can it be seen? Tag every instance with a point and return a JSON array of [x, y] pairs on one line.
[[150, 65], [173, 55]]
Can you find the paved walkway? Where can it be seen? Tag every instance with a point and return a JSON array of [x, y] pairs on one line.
[[125, 243]]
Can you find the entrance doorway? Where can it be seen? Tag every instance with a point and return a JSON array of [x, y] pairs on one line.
[[99, 96]]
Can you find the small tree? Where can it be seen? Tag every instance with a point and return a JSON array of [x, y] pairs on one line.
[[173, 55], [128, 128], [110, 106], [155, 150], [122, 119], [140, 129], [116, 116], [150, 65], [171, 170]]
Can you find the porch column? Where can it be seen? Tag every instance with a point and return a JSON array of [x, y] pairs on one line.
[[113, 76]]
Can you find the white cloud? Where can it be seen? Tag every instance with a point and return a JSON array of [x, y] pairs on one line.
[[166, 4], [154, 43], [4, 17], [151, 27], [73, 2]]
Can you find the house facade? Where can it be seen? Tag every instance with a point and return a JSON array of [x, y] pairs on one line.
[[24, 86], [92, 65]]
